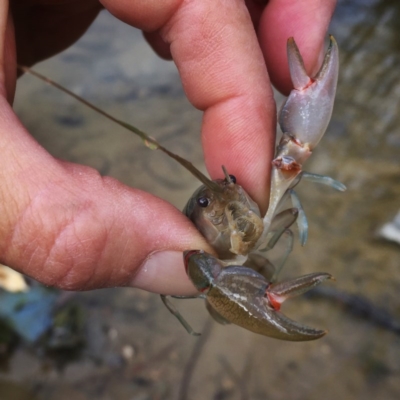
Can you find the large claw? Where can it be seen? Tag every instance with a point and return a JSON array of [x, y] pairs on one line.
[[308, 109], [243, 297], [303, 119]]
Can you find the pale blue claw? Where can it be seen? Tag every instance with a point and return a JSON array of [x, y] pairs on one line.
[[308, 109], [303, 119], [300, 78]]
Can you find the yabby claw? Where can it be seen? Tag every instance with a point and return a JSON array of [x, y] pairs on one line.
[[241, 296], [303, 119], [308, 109]]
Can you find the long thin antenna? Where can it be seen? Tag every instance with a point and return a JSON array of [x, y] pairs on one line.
[[148, 141]]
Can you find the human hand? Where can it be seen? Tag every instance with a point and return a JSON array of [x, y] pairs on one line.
[[67, 226]]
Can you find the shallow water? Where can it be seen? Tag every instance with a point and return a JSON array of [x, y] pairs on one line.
[[135, 348]]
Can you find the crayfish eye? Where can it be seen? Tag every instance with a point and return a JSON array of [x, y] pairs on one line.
[[233, 178], [203, 201]]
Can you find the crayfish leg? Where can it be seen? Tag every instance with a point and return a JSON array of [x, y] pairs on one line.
[[259, 263], [288, 236], [324, 180], [280, 224], [172, 309], [302, 222]]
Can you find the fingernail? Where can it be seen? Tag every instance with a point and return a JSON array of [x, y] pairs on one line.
[[164, 272]]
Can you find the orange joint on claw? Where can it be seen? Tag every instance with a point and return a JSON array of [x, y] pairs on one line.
[[275, 301], [286, 163]]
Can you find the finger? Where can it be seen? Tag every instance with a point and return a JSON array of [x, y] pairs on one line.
[[44, 28], [159, 46], [255, 8], [68, 227], [307, 21], [7, 53], [223, 73]]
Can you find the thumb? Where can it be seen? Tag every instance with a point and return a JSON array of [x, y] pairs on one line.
[[67, 226]]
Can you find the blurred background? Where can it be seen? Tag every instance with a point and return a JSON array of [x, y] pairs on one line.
[[123, 343]]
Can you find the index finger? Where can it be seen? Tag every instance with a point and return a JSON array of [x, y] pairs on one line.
[[222, 68], [215, 48]]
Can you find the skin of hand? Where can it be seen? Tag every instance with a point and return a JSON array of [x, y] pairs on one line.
[[64, 224]]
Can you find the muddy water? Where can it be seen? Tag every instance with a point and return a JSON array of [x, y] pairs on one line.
[[135, 349]]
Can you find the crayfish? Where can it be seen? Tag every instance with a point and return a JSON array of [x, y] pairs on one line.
[[240, 286]]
